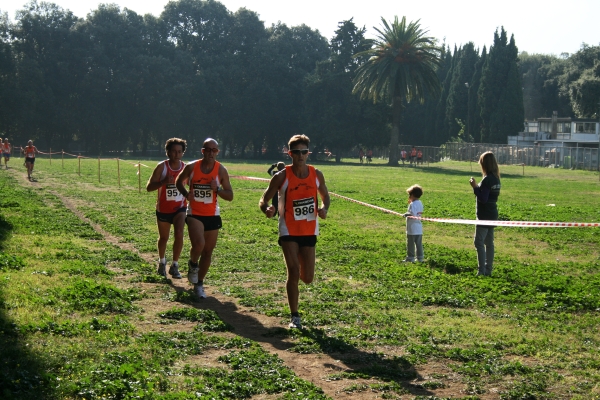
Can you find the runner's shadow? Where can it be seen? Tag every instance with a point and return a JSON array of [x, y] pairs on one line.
[[352, 361]]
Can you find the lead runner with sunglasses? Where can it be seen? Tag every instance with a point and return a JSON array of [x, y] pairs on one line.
[[297, 187], [208, 180]]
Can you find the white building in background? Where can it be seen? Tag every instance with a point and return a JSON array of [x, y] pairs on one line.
[[558, 132], [565, 142]]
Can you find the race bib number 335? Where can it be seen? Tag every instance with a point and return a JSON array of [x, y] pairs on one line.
[[203, 193], [304, 209]]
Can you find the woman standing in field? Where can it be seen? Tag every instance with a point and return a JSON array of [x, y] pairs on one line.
[[486, 193]]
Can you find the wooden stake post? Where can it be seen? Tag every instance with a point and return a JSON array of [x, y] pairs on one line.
[[139, 176]]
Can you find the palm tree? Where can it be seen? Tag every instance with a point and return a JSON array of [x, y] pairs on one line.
[[401, 66]]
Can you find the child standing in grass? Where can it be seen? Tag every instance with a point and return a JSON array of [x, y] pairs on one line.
[[414, 228]]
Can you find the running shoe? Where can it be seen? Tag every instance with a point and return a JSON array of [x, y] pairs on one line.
[[162, 269], [192, 274], [199, 291], [295, 324], [174, 272]]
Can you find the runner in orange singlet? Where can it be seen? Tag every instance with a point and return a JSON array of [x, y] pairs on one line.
[[6, 152], [413, 155], [30, 152], [297, 187], [170, 205], [208, 180]]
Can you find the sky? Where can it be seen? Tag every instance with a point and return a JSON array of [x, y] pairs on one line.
[[543, 27]]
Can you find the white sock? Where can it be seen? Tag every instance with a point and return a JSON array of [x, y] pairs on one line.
[[175, 263], [163, 261]]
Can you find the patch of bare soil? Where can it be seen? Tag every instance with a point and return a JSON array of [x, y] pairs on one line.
[[316, 368]]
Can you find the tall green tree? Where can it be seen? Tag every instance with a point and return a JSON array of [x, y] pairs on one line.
[[445, 73], [401, 67], [501, 91], [8, 92], [474, 122], [333, 117], [43, 44], [581, 81], [457, 103]]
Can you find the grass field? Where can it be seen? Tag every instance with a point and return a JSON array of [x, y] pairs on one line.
[[83, 315]]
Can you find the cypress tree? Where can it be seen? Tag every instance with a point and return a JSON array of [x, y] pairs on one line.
[[474, 121], [441, 133], [501, 94], [458, 96], [510, 114]]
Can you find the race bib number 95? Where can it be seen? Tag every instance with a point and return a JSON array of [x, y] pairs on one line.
[[172, 193], [203, 193], [304, 209]]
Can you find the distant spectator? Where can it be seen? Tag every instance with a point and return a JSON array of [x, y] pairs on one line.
[[419, 156], [403, 156], [369, 156], [361, 155], [413, 155], [271, 171]]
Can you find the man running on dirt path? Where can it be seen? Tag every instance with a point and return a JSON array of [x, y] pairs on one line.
[[170, 205], [297, 186], [29, 152], [208, 180]]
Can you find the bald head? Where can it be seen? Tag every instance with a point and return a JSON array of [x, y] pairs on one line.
[[210, 140]]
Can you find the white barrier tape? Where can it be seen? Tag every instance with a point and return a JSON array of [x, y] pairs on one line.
[[523, 224]]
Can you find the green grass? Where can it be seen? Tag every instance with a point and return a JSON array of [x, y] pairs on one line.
[[530, 331]]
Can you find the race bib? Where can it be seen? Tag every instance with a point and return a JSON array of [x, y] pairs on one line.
[[304, 209], [203, 193], [172, 193]]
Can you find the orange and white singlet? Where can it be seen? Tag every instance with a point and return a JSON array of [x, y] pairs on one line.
[[169, 199], [205, 203], [30, 151], [298, 204]]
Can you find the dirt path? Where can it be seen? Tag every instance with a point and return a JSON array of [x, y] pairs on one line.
[[315, 368]]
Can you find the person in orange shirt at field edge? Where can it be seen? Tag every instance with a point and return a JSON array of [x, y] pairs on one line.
[[297, 186], [208, 180]]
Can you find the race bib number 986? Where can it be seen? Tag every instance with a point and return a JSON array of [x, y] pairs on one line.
[[203, 193], [304, 209], [172, 193]]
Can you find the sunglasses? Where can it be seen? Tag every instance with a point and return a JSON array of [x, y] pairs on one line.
[[208, 149], [298, 152]]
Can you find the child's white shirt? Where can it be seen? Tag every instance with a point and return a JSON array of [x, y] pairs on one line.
[[414, 226]]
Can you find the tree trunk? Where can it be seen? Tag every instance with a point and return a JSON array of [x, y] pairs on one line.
[[395, 137]]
